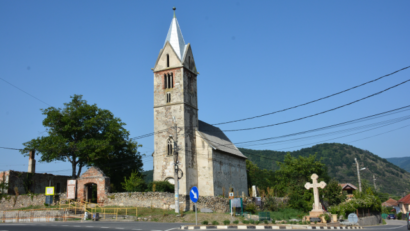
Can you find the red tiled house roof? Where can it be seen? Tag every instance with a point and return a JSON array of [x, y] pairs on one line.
[[390, 202], [405, 200]]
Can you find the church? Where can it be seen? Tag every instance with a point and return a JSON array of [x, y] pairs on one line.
[[206, 157]]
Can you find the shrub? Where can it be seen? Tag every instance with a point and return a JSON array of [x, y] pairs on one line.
[[215, 223], [251, 207], [257, 222], [245, 222], [273, 221], [236, 222], [252, 221], [265, 221], [161, 186], [205, 222], [227, 222], [135, 183]]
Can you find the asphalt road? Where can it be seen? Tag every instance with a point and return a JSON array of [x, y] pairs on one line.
[[141, 226], [90, 226]]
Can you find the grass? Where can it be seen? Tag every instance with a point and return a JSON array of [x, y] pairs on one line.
[[37, 207], [286, 214]]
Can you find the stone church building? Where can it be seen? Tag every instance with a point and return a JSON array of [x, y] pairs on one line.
[[207, 158]]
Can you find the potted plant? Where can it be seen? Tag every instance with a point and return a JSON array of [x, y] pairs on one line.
[[334, 211]]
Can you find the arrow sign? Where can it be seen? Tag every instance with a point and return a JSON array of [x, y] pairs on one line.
[[193, 194]]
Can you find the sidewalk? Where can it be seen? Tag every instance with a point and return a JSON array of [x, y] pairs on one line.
[[284, 226]]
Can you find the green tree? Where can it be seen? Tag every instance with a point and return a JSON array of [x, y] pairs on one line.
[[84, 135], [135, 183], [293, 174], [333, 193]]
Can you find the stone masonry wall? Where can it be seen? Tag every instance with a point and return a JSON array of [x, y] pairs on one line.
[[12, 202]]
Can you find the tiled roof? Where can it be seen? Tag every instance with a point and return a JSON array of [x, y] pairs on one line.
[[217, 139], [405, 199], [344, 185], [390, 202]]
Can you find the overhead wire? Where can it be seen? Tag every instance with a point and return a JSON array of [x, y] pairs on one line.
[[313, 101], [319, 113]]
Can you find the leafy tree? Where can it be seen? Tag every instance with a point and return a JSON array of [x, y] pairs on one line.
[[261, 177], [293, 174], [333, 193], [135, 183], [84, 135]]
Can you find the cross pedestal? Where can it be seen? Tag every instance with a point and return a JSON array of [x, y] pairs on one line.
[[317, 207]]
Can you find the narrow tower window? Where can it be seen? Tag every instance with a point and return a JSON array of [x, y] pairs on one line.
[[167, 60], [170, 147], [172, 81], [165, 81], [168, 97]]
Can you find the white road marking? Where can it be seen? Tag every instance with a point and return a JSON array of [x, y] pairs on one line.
[[90, 226], [137, 229], [172, 229], [398, 227], [119, 228], [105, 227]]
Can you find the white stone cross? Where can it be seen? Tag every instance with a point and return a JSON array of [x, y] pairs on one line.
[[315, 187]]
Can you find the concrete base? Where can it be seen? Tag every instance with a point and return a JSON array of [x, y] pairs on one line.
[[316, 213]]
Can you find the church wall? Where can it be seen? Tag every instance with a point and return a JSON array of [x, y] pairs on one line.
[[229, 171], [204, 167]]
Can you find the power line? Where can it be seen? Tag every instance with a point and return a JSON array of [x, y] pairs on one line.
[[374, 116], [319, 113], [26, 93], [313, 101]]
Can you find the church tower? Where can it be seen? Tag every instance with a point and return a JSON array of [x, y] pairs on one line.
[[175, 102]]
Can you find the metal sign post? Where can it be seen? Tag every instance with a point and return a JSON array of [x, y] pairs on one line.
[[194, 195]]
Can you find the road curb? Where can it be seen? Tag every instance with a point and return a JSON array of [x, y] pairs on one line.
[[254, 227]]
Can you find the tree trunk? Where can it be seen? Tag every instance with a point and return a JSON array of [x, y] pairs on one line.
[[74, 164], [79, 170]]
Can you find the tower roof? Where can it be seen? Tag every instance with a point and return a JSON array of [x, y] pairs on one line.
[[175, 38]]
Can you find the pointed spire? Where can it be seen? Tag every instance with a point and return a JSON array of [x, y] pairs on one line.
[[175, 38]]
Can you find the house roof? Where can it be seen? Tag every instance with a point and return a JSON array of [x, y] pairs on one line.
[[347, 186], [390, 202], [217, 139], [405, 199]]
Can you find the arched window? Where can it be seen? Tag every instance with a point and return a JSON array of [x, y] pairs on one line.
[[168, 81], [168, 97], [170, 147], [167, 60]]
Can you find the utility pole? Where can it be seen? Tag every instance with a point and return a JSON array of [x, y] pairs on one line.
[[374, 182], [176, 184], [358, 174]]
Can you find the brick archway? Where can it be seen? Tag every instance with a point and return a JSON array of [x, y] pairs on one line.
[[92, 176]]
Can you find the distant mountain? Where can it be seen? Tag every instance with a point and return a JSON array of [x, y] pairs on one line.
[[339, 158], [402, 162]]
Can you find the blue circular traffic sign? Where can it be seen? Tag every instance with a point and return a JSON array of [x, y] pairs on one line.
[[193, 194]]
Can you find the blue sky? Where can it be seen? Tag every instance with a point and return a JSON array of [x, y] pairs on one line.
[[254, 57]]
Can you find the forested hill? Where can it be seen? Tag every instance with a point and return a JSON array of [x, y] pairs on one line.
[[339, 158], [402, 162]]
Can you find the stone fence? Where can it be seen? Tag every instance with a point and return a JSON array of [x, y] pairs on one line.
[[161, 200]]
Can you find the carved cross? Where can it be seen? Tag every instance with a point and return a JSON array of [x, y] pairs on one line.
[[315, 187]]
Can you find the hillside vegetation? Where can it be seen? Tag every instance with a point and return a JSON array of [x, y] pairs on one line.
[[339, 158], [402, 162]]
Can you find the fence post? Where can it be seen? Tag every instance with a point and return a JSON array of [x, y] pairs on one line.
[[116, 216], [18, 213], [126, 212], [136, 212]]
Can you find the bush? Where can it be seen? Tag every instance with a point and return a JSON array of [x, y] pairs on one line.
[[135, 183], [227, 222], [399, 215], [161, 186], [215, 223], [273, 221], [245, 222], [252, 221], [265, 221], [236, 222], [205, 222], [251, 207], [256, 222]]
